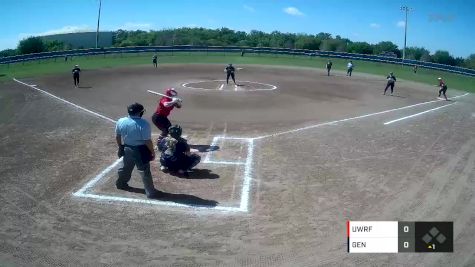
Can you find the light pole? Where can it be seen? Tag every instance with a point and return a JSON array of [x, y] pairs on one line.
[[405, 9], [98, 18]]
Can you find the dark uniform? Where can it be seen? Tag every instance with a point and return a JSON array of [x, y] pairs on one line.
[[176, 154], [391, 81], [230, 72], [76, 70], [443, 88], [329, 67], [154, 60]]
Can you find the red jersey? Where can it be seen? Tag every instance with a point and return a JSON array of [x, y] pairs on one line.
[[441, 83], [161, 109]]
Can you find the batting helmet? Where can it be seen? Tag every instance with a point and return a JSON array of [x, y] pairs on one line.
[[135, 109], [171, 92], [175, 131]]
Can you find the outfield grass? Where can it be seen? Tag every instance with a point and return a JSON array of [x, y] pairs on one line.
[[53, 66]]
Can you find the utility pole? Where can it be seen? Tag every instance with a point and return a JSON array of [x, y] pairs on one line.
[[98, 19], [406, 9]]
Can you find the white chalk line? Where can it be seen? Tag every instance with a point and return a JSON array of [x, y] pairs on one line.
[[84, 191], [66, 101], [158, 202], [349, 119], [417, 114], [186, 85], [96, 179]]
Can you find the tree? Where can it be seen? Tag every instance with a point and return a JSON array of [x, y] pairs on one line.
[[31, 45], [469, 62], [8, 52], [360, 48], [426, 57], [54, 46], [387, 46], [443, 57], [416, 52]]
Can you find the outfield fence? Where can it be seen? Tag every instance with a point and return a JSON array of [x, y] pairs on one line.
[[233, 49]]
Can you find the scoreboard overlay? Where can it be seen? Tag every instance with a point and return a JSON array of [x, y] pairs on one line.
[[399, 236]]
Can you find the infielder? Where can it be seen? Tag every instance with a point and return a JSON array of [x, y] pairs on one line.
[[230, 72], [154, 60], [329, 67], [76, 70], [165, 106], [443, 87], [391, 81], [349, 68]]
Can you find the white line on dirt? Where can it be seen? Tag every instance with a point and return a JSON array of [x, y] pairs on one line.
[[101, 175], [235, 87], [158, 202], [213, 143], [247, 175], [352, 118], [221, 87], [67, 102], [224, 162], [417, 114]]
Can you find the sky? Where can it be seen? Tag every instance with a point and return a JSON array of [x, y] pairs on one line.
[[433, 24]]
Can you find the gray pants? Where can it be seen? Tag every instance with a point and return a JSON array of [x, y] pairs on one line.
[[131, 159]]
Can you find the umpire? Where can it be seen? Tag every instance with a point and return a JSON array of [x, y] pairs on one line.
[[76, 70], [134, 138]]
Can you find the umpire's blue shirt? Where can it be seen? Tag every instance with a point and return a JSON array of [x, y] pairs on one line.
[[134, 130]]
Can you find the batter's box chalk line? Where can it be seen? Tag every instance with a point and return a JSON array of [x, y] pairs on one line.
[[86, 190]]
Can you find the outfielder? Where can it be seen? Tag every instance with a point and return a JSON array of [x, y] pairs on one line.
[[391, 81], [230, 72], [165, 106], [76, 70]]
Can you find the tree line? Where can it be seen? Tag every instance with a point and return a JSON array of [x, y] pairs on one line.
[[225, 37]]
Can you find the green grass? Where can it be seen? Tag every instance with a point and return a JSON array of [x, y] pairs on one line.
[[52, 66]]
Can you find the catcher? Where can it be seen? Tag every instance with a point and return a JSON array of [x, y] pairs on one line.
[[165, 106], [176, 155]]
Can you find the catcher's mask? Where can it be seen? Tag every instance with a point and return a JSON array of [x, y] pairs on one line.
[[175, 131], [171, 92], [136, 109]]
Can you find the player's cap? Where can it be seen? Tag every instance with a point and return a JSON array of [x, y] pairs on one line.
[[391, 73], [76, 65]]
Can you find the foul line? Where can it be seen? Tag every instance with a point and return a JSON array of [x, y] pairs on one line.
[[417, 114], [67, 102], [353, 118]]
